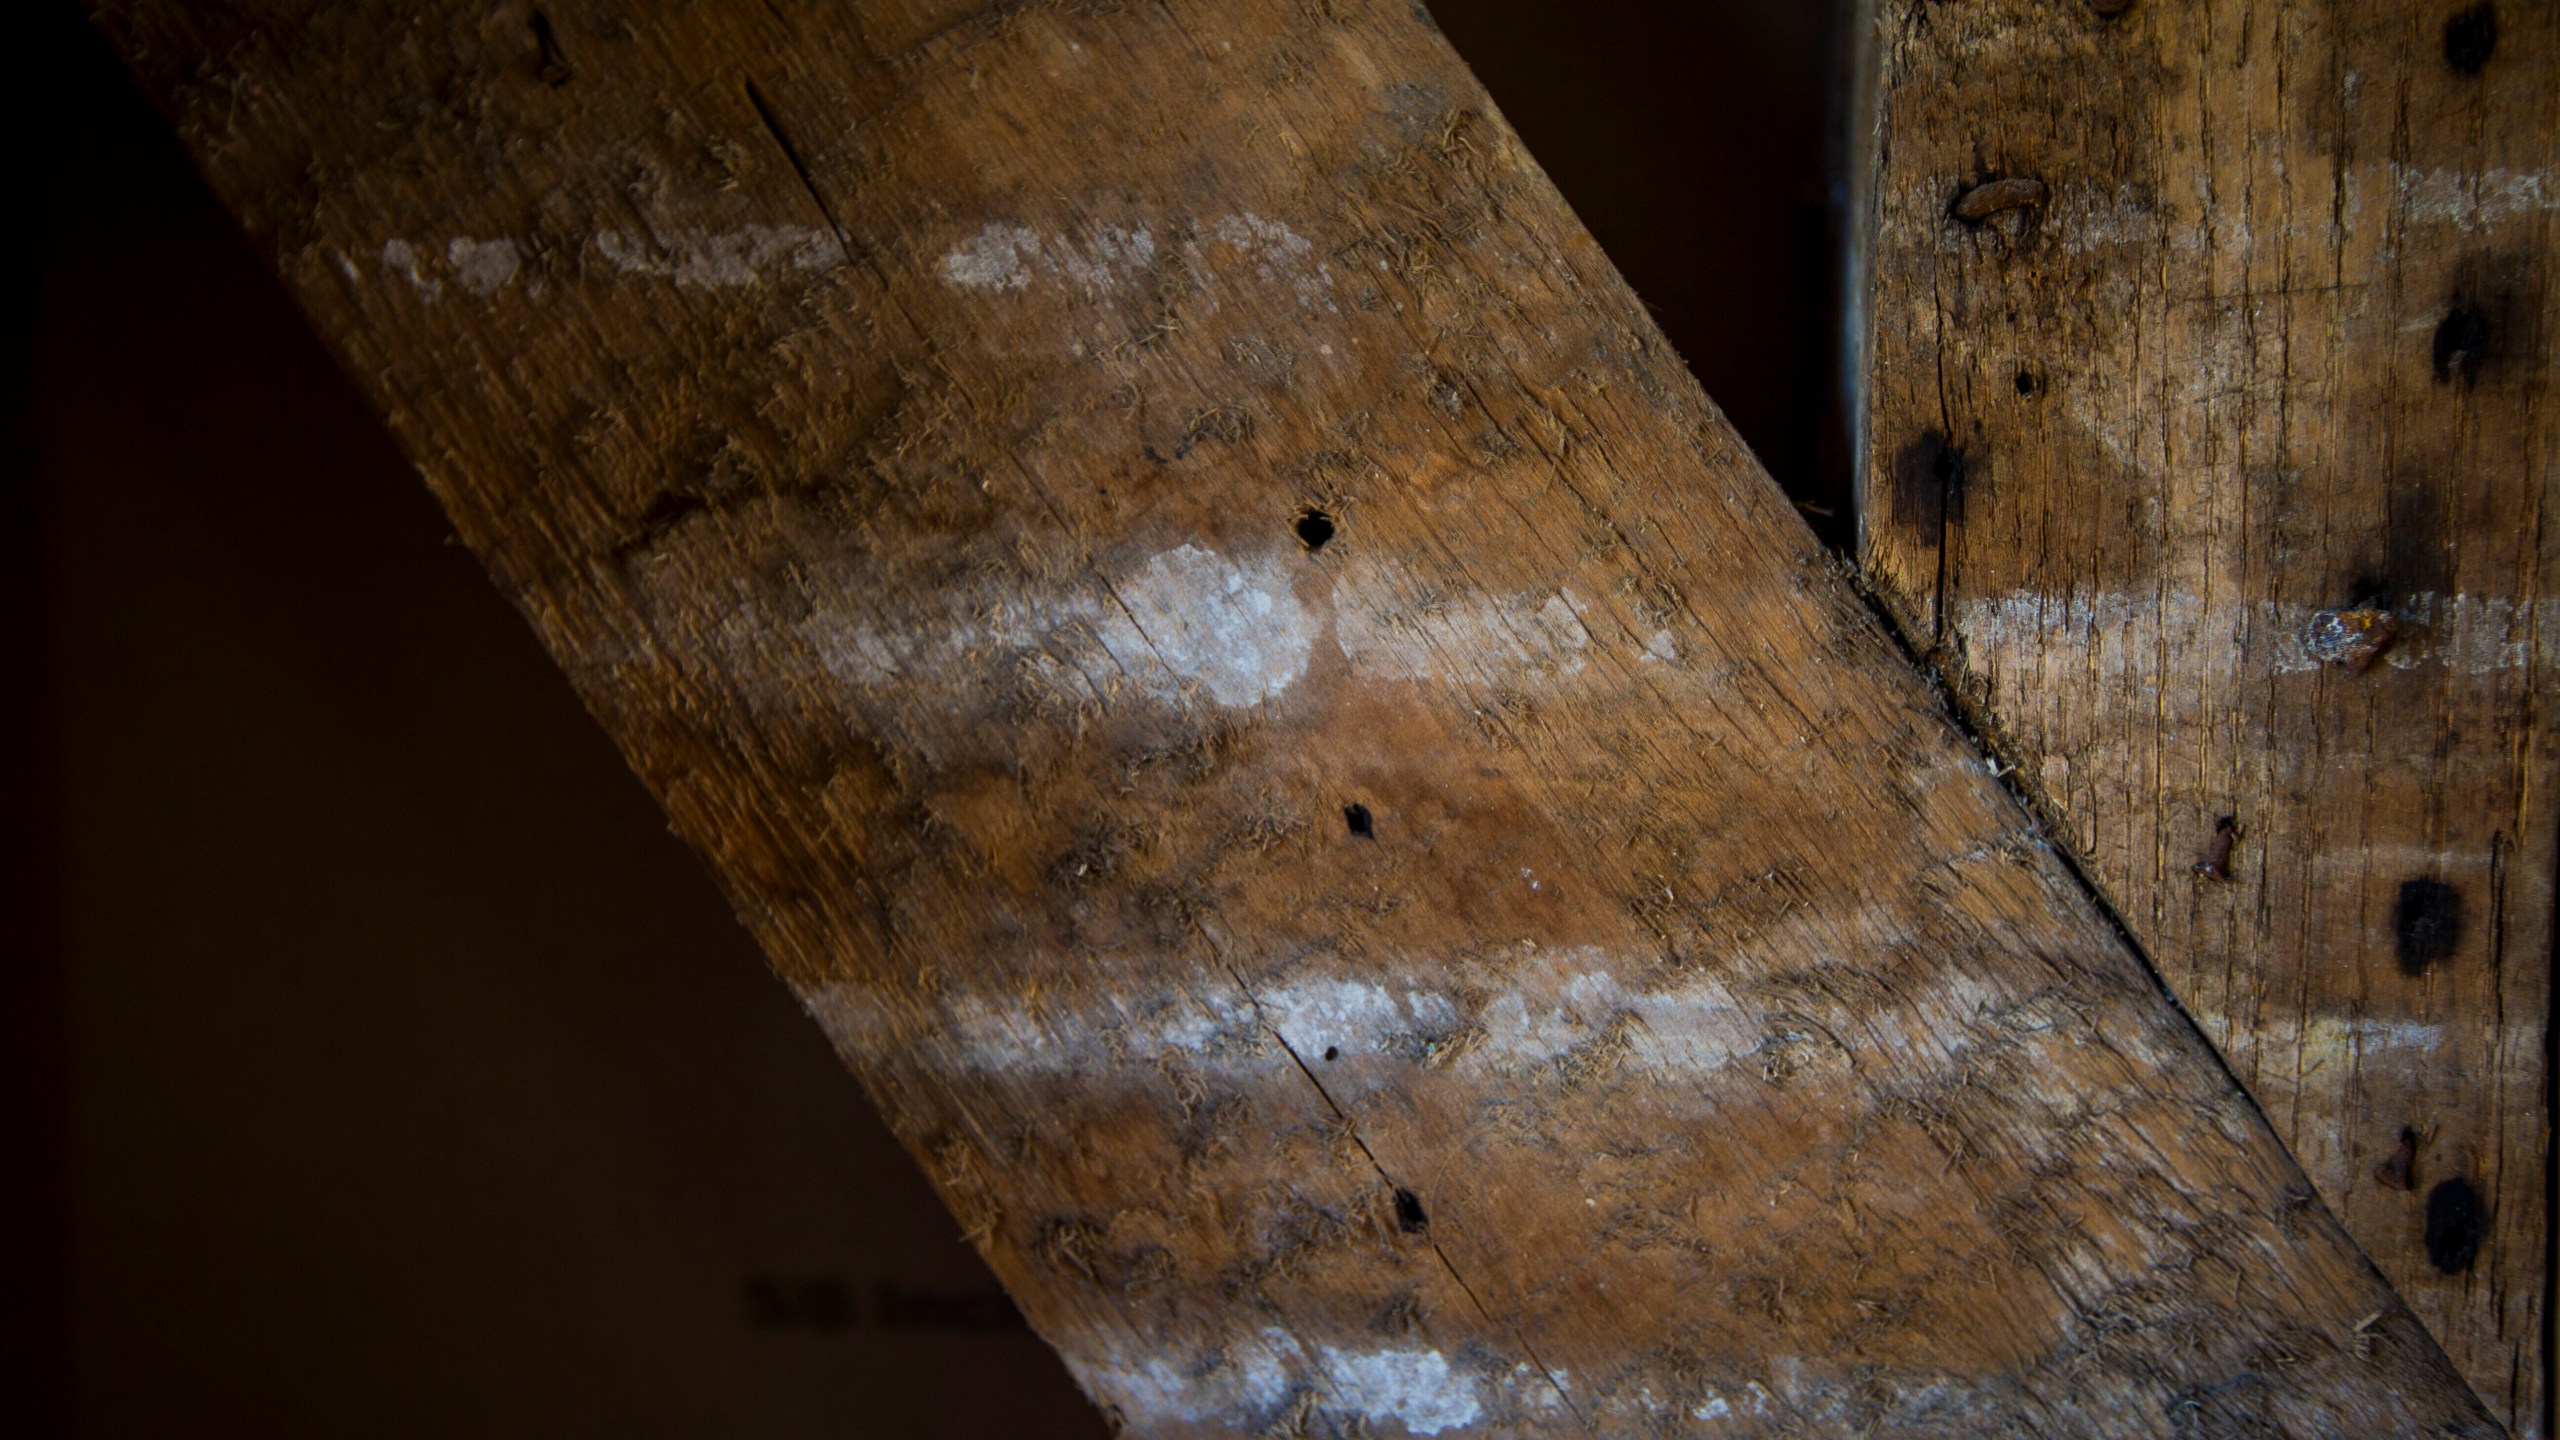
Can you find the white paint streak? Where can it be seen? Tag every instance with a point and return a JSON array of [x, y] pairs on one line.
[[722, 259], [1004, 255], [1254, 1381], [1556, 1005], [1538, 634], [2472, 201]]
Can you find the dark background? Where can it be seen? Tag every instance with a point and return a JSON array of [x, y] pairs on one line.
[[377, 1062]]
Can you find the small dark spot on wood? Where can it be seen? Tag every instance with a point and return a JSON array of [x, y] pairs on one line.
[[2470, 38], [1333, 1052], [1315, 529], [2398, 1172], [1409, 1216], [2110, 9], [2462, 342], [2456, 1224], [1357, 817], [1152, 453], [2427, 923], [2029, 383], [2216, 864], [2353, 637], [1993, 197], [554, 65]]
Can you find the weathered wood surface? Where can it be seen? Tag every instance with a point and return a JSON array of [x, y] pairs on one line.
[[2211, 449], [1387, 879]]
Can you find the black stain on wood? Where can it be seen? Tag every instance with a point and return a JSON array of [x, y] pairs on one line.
[[2427, 923], [1929, 476], [1409, 1216], [552, 65], [2470, 38], [2462, 343], [2457, 1222], [1358, 819], [2109, 9]]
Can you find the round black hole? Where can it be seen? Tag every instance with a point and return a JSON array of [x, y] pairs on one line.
[[1358, 818], [2028, 385], [1333, 1052], [1314, 529]]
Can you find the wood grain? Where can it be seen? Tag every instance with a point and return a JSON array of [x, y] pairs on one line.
[[1352, 831], [2215, 469]]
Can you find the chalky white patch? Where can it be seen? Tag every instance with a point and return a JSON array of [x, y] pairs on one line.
[[2472, 200], [1252, 1382], [722, 259], [481, 266], [1241, 635]]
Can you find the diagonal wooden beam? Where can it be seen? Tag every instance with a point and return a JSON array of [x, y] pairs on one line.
[[2211, 449], [1343, 820]]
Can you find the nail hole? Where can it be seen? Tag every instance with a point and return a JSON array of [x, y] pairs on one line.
[[1357, 817], [1333, 1052], [2456, 1224], [1409, 1216], [1315, 528], [2028, 384], [2470, 38], [2427, 923], [2462, 342]]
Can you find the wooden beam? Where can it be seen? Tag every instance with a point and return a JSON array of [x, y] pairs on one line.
[[2211, 450], [1349, 827]]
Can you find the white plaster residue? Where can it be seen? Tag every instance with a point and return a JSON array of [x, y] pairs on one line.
[[1414, 1388], [2122, 632], [1280, 253], [998, 257], [1558, 1006], [402, 259], [1534, 635], [722, 259], [1005, 255], [1659, 650], [2469, 200], [1250, 1382], [1188, 621], [482, 265], [2345, 1043], [1241, 635]]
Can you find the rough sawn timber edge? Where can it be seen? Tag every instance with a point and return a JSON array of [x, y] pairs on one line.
[[2216, 477], [1386, 878]]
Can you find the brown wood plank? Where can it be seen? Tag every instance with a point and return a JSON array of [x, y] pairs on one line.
[[1348, 826], [2210, 449]]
